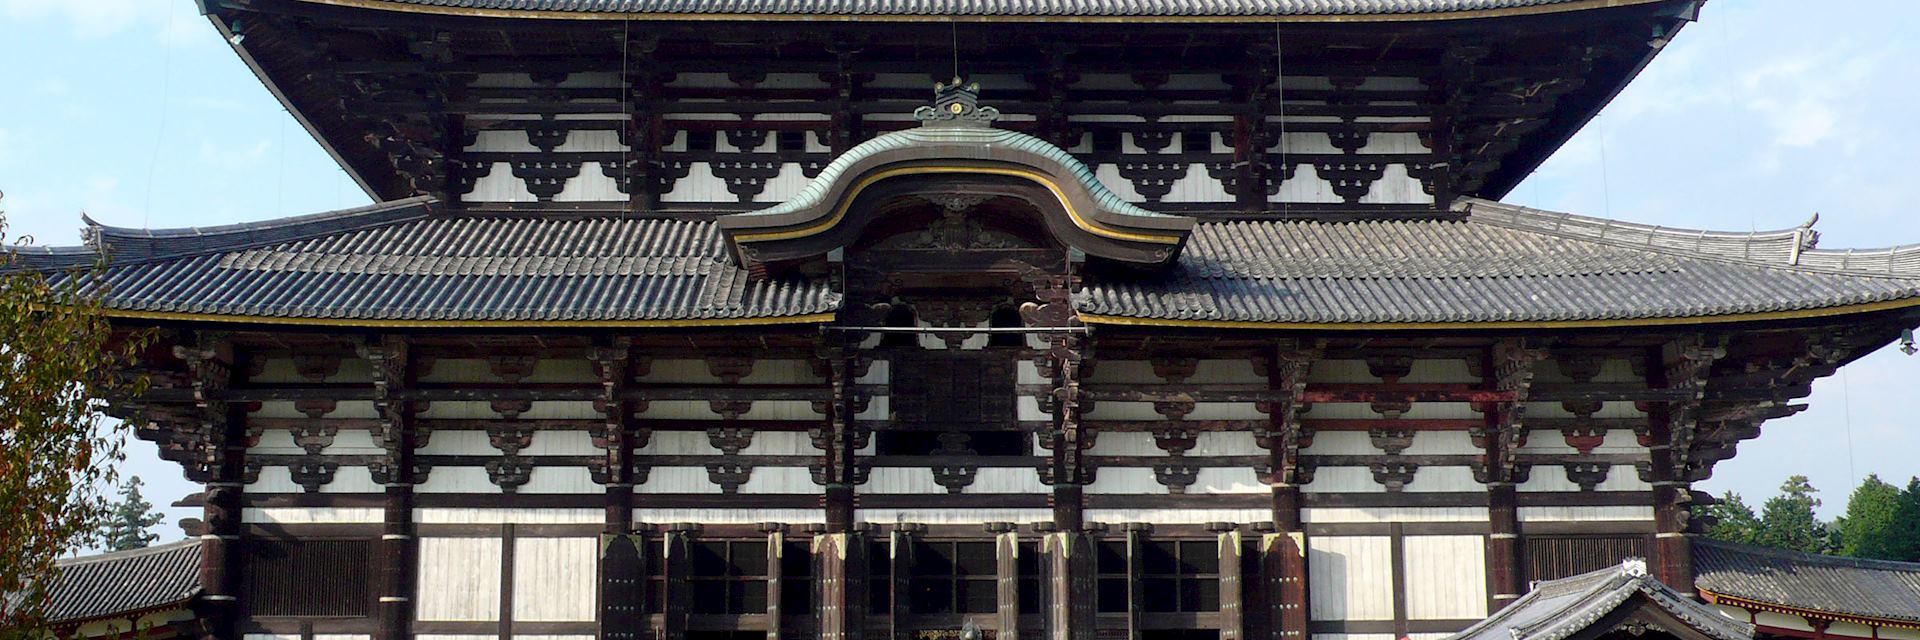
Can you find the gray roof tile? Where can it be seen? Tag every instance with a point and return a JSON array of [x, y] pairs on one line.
[[403, 261], [407, 261], [125, 581], [1499, 263], [1846, 586], [1557, 609]]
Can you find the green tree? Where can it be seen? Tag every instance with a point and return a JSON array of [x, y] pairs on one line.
[[58, 357], [132, 517], [1734, 520], [1871, 528], [1787, 520], [1907, 523]]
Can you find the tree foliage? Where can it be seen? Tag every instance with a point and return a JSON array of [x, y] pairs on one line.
[[1882, 522], [129, 524], [58, 356], [1734, 520], [1787, 521]]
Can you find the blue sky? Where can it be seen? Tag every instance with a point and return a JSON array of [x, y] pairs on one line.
[[137, 113]]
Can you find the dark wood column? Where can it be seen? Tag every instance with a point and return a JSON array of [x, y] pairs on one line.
[[1509, 370], [222, 465], [1066, 470], [1683, 363], [840, 552], [1283, 561], [1067, 560], [900, 570], [776, 551], [393, 373], [677, 557], [618, 434], [1007, 582], [840, 573], [1232, 618]]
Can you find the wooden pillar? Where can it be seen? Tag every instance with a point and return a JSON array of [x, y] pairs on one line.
[[393, 373], [1067, 470], [676, 555], [776, 552], [623, 587], [900, 570], [1509, 369], [1007, 583], [1068, 561], [1232, 619], [1136, 537], [223, 467], [1504, 575], [1684, 363], [619, 432], [1283, 553], [840, 583]]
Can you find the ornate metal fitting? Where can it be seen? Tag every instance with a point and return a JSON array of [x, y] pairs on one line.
[[956, 104]]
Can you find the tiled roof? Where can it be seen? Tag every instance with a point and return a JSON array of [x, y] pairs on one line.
[[409, 261], [125, 582], [404, 262], [1845, 586], [1557, 609], [1500, 263], [1034, 8]]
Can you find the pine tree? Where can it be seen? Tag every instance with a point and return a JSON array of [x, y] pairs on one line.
[[127, 527], [1734, 520], [1787, 520], [1871, 528]]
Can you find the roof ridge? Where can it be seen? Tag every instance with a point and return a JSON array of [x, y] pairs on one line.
[[1815, 558], [111, 556], [1786, 249], [126, 244]]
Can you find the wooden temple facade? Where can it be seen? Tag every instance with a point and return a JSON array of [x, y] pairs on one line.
[[1173, 320]]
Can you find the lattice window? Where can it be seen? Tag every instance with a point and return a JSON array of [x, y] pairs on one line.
[[1551, 557], [1180, 577], [309, 577], [954, 577], [796, 578], [729, 577], [1029, 579], [1114, 584]]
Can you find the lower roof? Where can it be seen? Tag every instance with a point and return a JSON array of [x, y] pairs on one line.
[[1841, 588], [125, 582], [946, 9], [1564, 608], [409, 263]]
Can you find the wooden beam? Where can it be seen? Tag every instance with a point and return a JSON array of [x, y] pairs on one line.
[[1685, 364], [393, 371], [1510, 372]]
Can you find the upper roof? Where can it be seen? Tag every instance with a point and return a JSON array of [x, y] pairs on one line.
[[1873, 590], [1491, 266], [1557, 609], [1379, 9], [125, 582]]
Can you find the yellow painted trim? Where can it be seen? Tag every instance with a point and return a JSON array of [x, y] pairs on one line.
[[1743, 603], [1090, 318], [846, 202], [386, 5], [466, 324]]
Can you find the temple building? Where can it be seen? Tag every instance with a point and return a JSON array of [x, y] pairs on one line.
[[981, 319]]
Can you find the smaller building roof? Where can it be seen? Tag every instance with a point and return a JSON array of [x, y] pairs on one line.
[[125, 582], [1557, 609], [1870, 590]]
